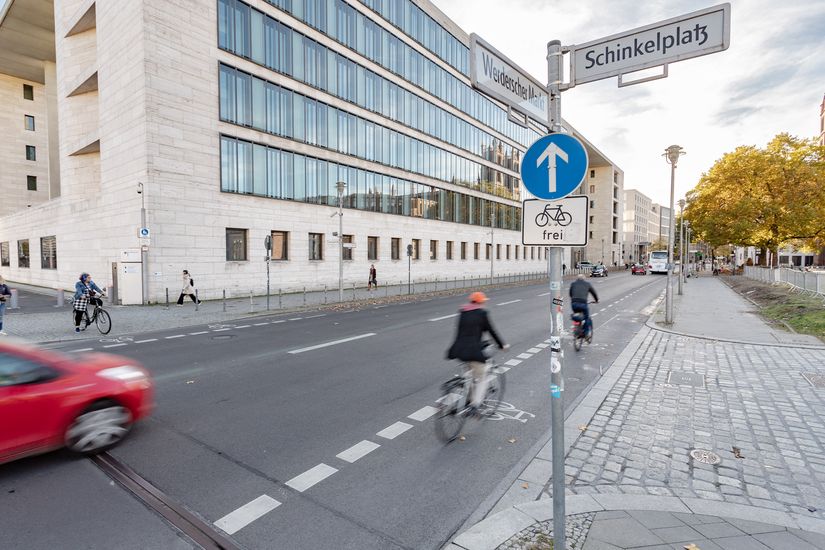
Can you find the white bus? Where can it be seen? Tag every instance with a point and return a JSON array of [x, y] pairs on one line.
[[657, 262]]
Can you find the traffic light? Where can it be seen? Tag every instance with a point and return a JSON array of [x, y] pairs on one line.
[[409, 250]]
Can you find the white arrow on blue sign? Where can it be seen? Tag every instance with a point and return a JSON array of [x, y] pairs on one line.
[[554, 166]]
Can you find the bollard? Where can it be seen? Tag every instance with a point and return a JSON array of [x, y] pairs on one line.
[[197, 301], [110, 295], [279, 298], [325, 294], [167, 297], [60, 298], [353, 292], [386, 290], [251, 304], [224, 300], [13, 301], [305, 296], [436, 284]]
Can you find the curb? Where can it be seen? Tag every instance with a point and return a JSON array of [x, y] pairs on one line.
[[497, 529]]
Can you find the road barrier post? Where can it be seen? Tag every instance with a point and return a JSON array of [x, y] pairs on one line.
[[224, 300], [197, 301], [167, 297]]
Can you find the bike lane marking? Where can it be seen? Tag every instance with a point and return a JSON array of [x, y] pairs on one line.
[[533, 350], [394, 430], [311, 477], [508, 303], [423, 413], [114, 345], [173, 337], [524, 355], [236, 520], [357, 451], [81, 350], [444, 317], [513, 362], [332, 343], [260, 324], [199, 332]]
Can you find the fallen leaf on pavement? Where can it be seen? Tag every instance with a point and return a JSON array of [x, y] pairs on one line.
[[525, 485], [583, 427], [461, 438], [511, 440], [692, 546], [190, 381]]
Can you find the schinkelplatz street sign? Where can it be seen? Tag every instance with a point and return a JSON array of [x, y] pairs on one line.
[[557, 223], [554, 166]]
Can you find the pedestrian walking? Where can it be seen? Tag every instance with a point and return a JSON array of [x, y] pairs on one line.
[[373, 280], [563, 269], [5, 294], [188, 289], [84, 291]]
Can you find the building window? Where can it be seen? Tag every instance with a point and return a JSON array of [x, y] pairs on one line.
[[592, 204], [23, 253], [347, 252], [449, 250], [48, 252], [517, 249], [508, 251], [29, 122], [4, 254], [280, 246], [28, 92], [433, 250], [31, 152], [372, 248], [463, 250], [592, 173], [316, 246], [488, 251], [476, 247], [591, 235], [591, 219], [592, 188], [416, 244], [498, 252], [395, 248], [235, 245], [31, 183]]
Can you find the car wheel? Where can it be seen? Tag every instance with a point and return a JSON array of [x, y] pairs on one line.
[[99, 427]]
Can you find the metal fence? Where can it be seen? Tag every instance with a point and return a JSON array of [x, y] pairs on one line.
[[810, 281]]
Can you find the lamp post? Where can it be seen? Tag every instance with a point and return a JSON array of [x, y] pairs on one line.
[[672, 155], [689, 235], [339, 186], [144, 250], [492, 240], [681, 241]]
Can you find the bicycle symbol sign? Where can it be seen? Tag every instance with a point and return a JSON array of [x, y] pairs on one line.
[[554, 166], [559, 223], [553, 213]]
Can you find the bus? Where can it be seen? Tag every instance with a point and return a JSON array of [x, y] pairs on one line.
[[657, 262]]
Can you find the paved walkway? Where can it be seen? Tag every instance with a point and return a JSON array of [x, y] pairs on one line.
[[754, 411]]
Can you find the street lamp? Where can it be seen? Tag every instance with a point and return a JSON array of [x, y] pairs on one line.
[[681, 241], [339, 186], [672, 155]]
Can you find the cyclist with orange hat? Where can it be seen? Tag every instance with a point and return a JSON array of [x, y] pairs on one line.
[[469, 345]]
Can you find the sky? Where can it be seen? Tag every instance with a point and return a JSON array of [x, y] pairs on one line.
[[770, 80]]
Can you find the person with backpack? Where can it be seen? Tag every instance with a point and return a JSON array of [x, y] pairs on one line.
[[188, 289]]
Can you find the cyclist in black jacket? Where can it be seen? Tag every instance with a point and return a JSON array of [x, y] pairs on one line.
[[580, 289]]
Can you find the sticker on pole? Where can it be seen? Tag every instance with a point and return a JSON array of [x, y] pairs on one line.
[[557, 223], [554, 166]]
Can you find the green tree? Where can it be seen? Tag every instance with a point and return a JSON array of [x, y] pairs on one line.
[[762, 197]]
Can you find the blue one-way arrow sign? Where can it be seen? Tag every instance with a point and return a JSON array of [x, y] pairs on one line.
[[554, 166]]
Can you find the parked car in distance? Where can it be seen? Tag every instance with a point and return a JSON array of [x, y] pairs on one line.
[[584, 265], [598, 271], [638, 269], [85, 402]]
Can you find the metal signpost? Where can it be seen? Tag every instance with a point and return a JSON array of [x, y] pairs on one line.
[[268, 245]]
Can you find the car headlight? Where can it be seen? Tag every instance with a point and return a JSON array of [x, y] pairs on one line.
[[124, 373]]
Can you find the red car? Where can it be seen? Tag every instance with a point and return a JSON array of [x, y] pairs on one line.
[[49, 400], [638, 269]]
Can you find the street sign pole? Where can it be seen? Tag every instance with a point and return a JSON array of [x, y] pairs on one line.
[[554, 75]]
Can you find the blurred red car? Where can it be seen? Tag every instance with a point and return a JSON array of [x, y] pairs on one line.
[[638, 269], [49, 400]]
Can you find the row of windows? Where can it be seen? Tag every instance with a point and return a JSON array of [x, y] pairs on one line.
[[237, 241], [249, 33], [251, 101], [251, 168], [48, 253], [423, 29]]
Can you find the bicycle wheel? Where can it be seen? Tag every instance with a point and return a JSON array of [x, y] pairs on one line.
[[450, 417], [542, 219], [103, 321], [577, 342], [495, 391], [564, 218]]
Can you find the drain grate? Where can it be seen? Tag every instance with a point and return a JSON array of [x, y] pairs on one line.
[[681, 378], [814, 379], [705, 457]]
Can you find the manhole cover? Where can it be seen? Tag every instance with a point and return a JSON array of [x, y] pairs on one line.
[[223, 337], [705, 457], [814, 379], [681, 378]]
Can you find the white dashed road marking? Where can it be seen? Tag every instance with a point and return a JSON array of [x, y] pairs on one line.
[[221, 329], [449, 399], [545, 294], [508, 303], [114, 345], [542, 345], [503, 369], [312, 476], [173, 337], [357, 451], [533, 350], [333, 343], [445, 317], [243, 326], [82, 349], [260, 324], [196, 333], [423, 413], [525, 355], [280, 321], [513, 362], [316, 316], [296, 319], [391, 432], [246, 514]]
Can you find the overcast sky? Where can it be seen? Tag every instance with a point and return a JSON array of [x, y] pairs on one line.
[[770, 80]]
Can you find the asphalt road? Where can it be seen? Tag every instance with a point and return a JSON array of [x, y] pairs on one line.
[[264, 407]]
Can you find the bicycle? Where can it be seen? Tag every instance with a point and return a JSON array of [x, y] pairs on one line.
[[100, 317], [454, 405], [579, 335], [553, 213]]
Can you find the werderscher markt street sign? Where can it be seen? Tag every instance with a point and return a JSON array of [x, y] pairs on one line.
[[555, 223], [691, 35], [554, 166]]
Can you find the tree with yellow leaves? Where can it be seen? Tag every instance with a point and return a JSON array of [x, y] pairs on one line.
[[762, 197]]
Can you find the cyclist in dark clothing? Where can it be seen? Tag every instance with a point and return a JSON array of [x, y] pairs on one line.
[[579, 291]]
